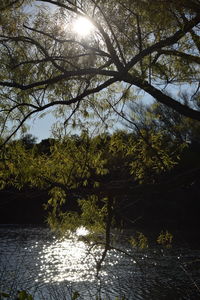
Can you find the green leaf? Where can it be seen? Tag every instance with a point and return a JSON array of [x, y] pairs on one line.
[[76, 295], [5, 295]]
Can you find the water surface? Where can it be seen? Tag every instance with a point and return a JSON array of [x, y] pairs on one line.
[[48, 267]]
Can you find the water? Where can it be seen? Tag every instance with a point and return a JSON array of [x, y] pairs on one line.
[[34, 259]]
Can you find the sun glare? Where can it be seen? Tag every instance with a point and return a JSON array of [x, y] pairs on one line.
[[83, 27]]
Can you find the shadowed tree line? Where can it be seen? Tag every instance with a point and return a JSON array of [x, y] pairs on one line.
[[146, 175]]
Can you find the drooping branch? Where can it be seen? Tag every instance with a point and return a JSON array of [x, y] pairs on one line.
[[76, 99], [140, 133], [107, 245], [163, 98]]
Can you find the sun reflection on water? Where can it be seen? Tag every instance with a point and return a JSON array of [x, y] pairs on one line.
[[67, 259], [33, 260]]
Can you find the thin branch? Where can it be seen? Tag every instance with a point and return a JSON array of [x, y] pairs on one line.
[[74, 10], [101, 52], [188, 57], [140, 134], [163, 43], [72, 113], [112, 32], [18, 127], [67, 102]]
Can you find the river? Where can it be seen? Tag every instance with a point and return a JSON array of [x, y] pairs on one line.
[[51, 268]]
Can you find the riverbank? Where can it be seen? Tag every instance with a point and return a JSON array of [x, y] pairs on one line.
[[177, 213], [23, 207]]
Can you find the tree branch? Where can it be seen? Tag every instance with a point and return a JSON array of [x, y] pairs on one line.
[[68, 102], [188, 57], [65, 76], [163, 98], [163, 43]]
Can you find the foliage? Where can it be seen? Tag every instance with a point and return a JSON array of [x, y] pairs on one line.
[[148, 46], [165, 239], [28, 139], [139, 241], [86, 177], [21, 295], [83, 174]]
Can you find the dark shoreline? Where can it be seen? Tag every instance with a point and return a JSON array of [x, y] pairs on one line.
[[181, 239], [179, 216]]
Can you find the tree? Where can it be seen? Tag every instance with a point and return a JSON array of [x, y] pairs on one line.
[[150, 46], [28, 140], [88, 177]]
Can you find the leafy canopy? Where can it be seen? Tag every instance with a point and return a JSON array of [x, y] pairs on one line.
[[149, 46], [83, 174]]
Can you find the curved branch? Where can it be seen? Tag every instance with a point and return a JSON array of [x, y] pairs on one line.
[[68, 102], [18, 127], [65, 76], [163, 98], [164, 43], [188, 57]]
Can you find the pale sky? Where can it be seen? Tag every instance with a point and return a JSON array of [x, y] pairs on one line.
[[41, 128]]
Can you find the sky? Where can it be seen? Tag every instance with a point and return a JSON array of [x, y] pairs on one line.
[[41, 128]]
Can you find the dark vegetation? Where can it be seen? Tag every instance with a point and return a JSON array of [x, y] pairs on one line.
[[149, 175]]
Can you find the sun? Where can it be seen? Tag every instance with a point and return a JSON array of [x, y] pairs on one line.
[[83, 27]]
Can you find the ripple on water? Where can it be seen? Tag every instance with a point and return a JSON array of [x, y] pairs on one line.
[[35, 259]]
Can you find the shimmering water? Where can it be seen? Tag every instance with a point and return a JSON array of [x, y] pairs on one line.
[[34, 259]]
